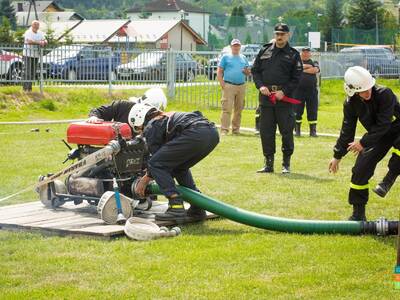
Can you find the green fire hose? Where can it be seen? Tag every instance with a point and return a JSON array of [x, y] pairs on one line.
[[380, 227]]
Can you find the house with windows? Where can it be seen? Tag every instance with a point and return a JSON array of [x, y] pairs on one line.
[[196, 17]]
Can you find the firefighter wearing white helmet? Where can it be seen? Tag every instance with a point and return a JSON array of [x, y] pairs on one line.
[[357, 79], [378, 110], [176, 141], [119, 110]]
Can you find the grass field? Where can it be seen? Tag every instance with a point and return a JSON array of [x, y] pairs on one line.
[[214, 260]]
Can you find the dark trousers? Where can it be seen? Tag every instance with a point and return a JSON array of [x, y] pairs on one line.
[[30, 65], [176, 157], [272, 116], [365, 165], [309, 99]]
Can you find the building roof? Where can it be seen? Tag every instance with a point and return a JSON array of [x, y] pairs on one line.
[[150, 31], [47, 17], [166, 6], [40, 5], [97, 31], [59, 28]]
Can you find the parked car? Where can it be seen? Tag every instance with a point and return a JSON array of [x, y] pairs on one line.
[[81, 62], [11, 65], [249, 50], [380, 61], [152, 66]]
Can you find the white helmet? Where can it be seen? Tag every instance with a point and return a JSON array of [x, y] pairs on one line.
[[138, 114], [357, 79], [154, 97]]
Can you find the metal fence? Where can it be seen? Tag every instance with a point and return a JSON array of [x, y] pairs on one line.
[[188, 77]]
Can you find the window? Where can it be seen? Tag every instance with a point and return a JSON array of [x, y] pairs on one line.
[[20, 7]]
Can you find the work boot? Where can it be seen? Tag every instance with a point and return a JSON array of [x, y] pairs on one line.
[[384, 186], [297, 129], [286, 164], [195, 212], [313, 130], [358, 213], [269, 165], [175, 212]]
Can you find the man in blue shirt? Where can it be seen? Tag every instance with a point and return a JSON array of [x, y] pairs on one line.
[[231, 74]]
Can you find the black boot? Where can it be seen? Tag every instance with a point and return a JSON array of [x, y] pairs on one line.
[[313, 130], [286, 164], [358, 213], [384, 186], [269, 165], [175, 212], [196, 213], [297, 129]]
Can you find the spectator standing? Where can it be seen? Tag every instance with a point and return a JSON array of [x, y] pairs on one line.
[[231, 74], [33, 40]]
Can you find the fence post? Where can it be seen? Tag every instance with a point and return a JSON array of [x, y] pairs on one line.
[[171, 73], [110, 72], [41, 71]]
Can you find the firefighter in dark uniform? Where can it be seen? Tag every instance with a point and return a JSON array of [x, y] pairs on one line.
[[378, 110], [307, 93], [118, 111], [176, 141], [277, 70]]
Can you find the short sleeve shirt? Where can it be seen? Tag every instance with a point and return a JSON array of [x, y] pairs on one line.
[[32, 50], [233, 66]]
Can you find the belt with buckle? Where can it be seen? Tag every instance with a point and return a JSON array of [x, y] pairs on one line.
[[233, 83], [274, 88]]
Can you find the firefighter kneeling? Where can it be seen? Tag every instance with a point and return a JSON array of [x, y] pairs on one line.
[[378, 110], [177, 141]]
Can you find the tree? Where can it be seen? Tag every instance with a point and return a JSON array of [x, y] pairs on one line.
[[7, 10], [6, 36], [237, 19], [362, 13], [68, 38], [333, 18], [248, 38], [50, 36]]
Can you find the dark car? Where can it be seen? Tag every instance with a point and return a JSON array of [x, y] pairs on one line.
[[380, 61], [81, 62], [250, 51], [152, 66]]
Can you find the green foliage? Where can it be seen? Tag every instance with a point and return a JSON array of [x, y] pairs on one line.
[[6, 37], [19, 35], [333, 18], [248, 38], [48, 104], [50, 36], [68, 38], [362, 13], [7, 10], [237, 18]]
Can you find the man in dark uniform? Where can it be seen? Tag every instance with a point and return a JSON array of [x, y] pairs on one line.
[[378, 110], [176, 141], [276, 72], [307, 93]]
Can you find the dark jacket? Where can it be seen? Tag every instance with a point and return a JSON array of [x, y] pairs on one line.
[[379, 116], [117, 111], [308, 81], [159, 131], [277, 66]]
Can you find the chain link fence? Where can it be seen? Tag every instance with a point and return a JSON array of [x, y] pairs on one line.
[[188, 77]]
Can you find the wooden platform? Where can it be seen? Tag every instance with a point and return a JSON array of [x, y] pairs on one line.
[[68, 220]]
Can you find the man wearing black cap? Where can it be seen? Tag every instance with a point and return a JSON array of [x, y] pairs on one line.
[[307, 93], [276, 72]]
